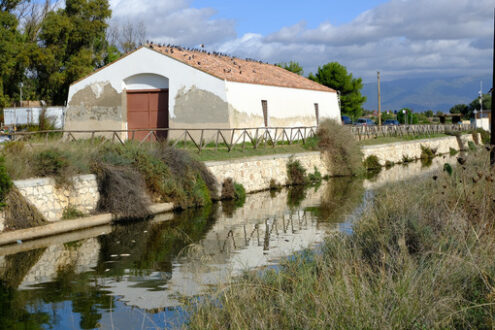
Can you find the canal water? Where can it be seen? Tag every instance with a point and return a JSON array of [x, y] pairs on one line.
[[138, 275]]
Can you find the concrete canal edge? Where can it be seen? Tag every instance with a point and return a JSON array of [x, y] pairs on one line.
[[65, 226], [254, 173]]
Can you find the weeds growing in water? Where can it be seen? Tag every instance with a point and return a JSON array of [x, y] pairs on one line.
[[420, 257], [232, 190], [428, 152], [315, 178], [341, 151], [296, 173], [371, 163]]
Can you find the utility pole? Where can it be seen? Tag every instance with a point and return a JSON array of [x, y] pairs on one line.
[[379, 101], [492, 121]]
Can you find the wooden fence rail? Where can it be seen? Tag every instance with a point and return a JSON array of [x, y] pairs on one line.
[[230, 138]]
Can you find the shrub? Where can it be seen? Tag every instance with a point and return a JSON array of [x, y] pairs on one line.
[[471, 146], [389, 164], [232, 190], [296, 173], [71, 212], [485, 135], [52, 163], [5, 182], [20, 214], [122, 191], [274, 185], [406, 159], [453, 151], [371, 162], [228, 190], [315, 178], [341, 151], [427, 152], [240, 194]]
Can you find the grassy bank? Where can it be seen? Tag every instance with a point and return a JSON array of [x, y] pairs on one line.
[[130, 176], [421, 257]]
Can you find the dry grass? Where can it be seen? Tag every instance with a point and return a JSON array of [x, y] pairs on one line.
[[340, 149], [19, 214], [122, 192], [421, 257]]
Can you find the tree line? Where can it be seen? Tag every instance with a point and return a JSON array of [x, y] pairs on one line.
[[467, 110], [44, 47]]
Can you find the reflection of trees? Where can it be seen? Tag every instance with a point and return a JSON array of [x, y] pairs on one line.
[[341, 197], [13, 304], [153, 247], [295, 195], [87, 298]]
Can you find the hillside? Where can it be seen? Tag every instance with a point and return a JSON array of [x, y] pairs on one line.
[[425, 93]]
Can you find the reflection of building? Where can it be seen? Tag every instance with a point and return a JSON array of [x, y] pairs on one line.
[[257, 234]]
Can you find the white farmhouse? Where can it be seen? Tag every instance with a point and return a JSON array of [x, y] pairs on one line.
[[171, 87]]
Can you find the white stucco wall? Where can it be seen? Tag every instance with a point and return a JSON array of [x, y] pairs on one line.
[[282, 103], [147, 61]]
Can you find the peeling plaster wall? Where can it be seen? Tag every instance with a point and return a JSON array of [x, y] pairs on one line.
[[96, 107], [286, 106]]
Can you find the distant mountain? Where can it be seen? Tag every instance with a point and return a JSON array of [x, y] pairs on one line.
[[425, 93]]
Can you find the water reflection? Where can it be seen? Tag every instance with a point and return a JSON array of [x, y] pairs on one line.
[[137, 275]]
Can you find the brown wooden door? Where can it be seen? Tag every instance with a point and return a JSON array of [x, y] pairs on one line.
[[147, 109]]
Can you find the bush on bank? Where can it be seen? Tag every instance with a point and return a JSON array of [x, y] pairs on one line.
[[420, 257], [341, 151]]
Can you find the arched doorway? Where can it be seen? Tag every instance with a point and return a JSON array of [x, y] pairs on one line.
[[147, 105]]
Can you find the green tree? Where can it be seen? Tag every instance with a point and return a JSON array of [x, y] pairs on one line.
[[334, 75], [411, 117], [10, 45], [292, 67], [461, 109], [72, 44], [429, 113], [475, 105]]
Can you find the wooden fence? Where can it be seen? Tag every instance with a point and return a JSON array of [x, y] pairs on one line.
[[228, 138]]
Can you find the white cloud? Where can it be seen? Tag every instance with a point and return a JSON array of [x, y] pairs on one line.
[[400, 38], [174, 21]]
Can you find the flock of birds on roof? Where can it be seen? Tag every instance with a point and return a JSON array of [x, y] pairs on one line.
[[171, 48]]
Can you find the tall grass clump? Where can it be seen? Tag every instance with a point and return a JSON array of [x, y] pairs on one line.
[[428, 152], [420, 257], [5, 182], [341, 151], [122, 192], [372, 163], [296, 173], [232, 190]]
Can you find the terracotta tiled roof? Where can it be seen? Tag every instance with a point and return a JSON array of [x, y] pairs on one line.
[[238, 70]]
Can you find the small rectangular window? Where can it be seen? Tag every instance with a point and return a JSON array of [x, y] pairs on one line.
[[317, 114], [264, 105]]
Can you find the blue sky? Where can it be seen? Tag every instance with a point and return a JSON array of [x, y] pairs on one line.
[[399, 38], [268, 16]]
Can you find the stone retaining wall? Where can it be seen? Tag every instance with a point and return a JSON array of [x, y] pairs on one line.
[[255, 173], [394, 152], [52, 201]]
